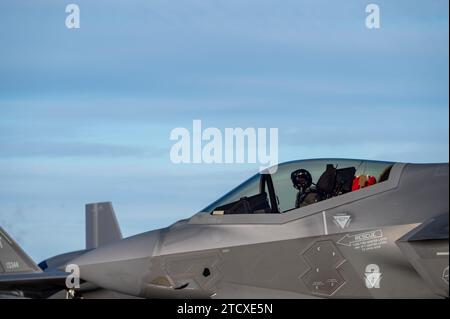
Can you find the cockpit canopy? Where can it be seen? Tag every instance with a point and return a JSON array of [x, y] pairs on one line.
[[277, 192]]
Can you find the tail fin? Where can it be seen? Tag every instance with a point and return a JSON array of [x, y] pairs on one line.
[[12, 258], [101, 225]]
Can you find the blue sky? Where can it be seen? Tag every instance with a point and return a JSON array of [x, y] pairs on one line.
[[85, 115]]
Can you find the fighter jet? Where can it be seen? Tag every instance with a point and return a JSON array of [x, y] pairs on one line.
[[323, 228]]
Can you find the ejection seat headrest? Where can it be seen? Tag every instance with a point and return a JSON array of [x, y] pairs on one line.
[[327, 180]]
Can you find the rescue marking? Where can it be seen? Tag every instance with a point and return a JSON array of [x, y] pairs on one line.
[[342, 220], [372, 276], [370, 240]]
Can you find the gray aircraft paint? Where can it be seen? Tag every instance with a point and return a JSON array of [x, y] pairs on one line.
[[301, 253]]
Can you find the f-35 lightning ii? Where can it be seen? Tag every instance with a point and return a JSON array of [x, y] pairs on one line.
[[324, 228]]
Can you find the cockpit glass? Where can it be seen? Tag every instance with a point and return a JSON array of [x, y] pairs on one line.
[[348, 176], [248, 188], [300, 183]]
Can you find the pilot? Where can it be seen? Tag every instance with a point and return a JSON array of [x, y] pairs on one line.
[[302, 180]]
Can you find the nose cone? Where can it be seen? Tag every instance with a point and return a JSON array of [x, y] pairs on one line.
[[121, 265]]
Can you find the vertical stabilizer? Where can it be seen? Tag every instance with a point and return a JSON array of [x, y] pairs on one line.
[[12, 258], [101, 225]]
